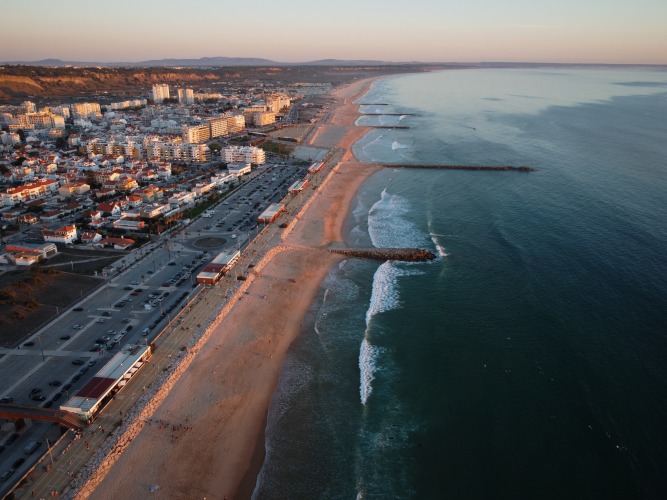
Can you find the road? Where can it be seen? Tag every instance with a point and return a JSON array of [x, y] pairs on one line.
[[61, 353]]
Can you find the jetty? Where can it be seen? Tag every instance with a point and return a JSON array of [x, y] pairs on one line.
[[383, 254], [386, 126], [492, 168]]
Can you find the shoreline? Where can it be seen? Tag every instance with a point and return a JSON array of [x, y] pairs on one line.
[[224, 394]]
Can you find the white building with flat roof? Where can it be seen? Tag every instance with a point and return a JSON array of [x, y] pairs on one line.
[[186, 96], [160, 92], [243, 154], [85, 109]]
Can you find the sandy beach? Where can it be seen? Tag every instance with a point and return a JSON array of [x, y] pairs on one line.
[[205, 438]]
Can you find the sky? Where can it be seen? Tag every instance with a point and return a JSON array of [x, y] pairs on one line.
[[576, 31]]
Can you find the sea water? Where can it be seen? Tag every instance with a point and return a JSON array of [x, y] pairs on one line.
[[527, 360]]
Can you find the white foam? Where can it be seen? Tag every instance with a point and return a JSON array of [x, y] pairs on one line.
[[439, 248], [367, 356], [324, 300], [387, 225], [384, 295], [397, 145]]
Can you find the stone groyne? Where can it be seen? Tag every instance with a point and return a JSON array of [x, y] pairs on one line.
[[387, 126], [503, 168], [402, 254]]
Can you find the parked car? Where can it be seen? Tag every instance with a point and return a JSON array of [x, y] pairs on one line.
[[77, 362], [55, 383], [11, 439], [6, 400], [65, 337], [6, 475]]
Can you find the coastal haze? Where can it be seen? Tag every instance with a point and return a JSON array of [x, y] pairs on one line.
[[460, 291], [591, 31]]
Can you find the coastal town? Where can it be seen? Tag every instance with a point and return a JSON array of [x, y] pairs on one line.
[[99, 174], [121, 193]]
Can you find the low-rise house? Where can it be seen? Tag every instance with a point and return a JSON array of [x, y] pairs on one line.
[[182, 198], [64, 234], [42, 250], [90, 237], [133, 200], [117, 243], [111, 207], [69, 190], [129, 224], [106, 192], [50, 215], [154, 210]]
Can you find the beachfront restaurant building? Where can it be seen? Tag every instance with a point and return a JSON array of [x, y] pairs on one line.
[[271, 213], [221, 264], [110, 379], [298, 186]]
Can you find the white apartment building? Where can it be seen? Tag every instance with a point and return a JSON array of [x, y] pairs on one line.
[[160, 92], [265, 118], [179, 151], [196, 133], [235, 123], [186, 96], [219, 126], [243, 154], [85, 109], [42, 120], [62, 111], [133, 103], [276, 102]]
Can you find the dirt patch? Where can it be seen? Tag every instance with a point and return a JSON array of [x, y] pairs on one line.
[[30, 298], [209, 242], [296, 132], [83, 261]]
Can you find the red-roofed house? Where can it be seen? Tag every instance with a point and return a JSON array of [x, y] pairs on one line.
[[117, 243], [90, 237], [31, 191], [112, 207], [65, 234]]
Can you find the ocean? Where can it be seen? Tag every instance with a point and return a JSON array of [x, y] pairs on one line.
[[528, 359]]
